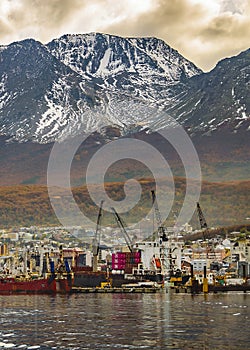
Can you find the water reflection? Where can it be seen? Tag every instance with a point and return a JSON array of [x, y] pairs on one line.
[[125, 321]]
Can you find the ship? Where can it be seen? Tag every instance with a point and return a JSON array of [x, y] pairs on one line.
[[19, 285], [14, 285], [42, 279], [126, 267], [86, 277]]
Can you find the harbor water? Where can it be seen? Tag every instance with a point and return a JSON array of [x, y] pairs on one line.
[[125, 321]]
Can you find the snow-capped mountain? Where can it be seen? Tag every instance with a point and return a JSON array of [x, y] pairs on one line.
[[219, 99], [142, 67], [84, 83]]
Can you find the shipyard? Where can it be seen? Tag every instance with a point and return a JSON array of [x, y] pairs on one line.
[[37, 260], [124, 181]]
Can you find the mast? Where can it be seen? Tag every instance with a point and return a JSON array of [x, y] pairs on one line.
[[96, 240]]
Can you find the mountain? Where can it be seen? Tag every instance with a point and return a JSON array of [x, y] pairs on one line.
[[110, 87], [143, 68], [38, 94], [220, 99], [84, 83]]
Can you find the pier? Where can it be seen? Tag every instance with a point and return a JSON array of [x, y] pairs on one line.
[[116, 290], [198, 288]]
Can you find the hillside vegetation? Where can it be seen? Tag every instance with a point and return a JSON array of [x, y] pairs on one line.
[[223, 204]]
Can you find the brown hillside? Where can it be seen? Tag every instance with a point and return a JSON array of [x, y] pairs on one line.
[[223, 204]]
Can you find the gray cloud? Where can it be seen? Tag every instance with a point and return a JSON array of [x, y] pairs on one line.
[[39, 18]]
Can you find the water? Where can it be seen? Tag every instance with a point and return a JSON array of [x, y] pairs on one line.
[[125, 321]]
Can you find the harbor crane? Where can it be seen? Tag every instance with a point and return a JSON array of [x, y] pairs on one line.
[[203, 223], [165, 250], [202, 220], [120, 223], [160, 227], [204, 227], [96, 240]]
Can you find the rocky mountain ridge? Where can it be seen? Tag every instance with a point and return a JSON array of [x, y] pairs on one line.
[[85, 83]]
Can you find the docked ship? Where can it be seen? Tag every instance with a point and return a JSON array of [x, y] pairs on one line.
[[139, 263], [126, 266], [19, 277], [86, 277], [13, 285], [24, 285]]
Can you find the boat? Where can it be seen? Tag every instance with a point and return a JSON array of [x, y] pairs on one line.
[[14, 285], [36, 285], [42, 279], [126, 266], [86, 277], [95, 279]]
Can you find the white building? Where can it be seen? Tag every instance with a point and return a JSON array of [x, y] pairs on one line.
[[169, 253], [199, 264]]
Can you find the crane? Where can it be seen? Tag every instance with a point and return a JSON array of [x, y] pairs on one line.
[[123, 230], [161, 228], [96, 240], [165, 249], [204, 227], [203, 223]]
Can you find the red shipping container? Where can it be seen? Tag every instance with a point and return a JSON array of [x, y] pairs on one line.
[[116, 258], [118, 266]]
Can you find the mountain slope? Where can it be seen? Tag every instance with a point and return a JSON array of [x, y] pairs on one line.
[[140, 67], [84, 83], [219, 99], [40, 97], [223, 204], [87, 83]]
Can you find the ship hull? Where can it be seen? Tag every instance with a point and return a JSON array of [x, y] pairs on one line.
[[50, 285], [89, 279], [39, 286], [94, 279]]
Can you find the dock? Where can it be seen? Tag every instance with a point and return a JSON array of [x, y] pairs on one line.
[[230, 288], [197, 289], [116, 290], [177, 289]]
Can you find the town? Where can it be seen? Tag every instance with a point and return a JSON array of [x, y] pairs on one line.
[[117, 258]]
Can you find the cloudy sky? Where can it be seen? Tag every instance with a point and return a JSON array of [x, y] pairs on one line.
[[204, 31]]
